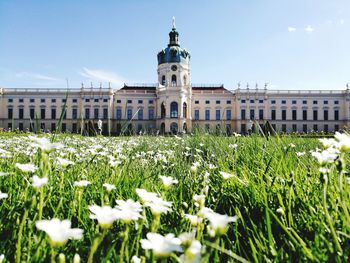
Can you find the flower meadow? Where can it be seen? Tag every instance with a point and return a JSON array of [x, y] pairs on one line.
[[195, 198]]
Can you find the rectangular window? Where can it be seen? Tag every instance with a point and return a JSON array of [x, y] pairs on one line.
[[96, 113], [242, 114], [140, 114], [228, 102], [105, 100], [315, 127], [305, 128], [273, 115], [207, 102], [140, 101], [261, 101], [336, 115], [64, 100], [336, 102], [151, 113], [87, 113], [325, 115], [294, 115], [242, 101], [87, 100], [315, 102], [325, 102], [42, 100], [53, 100], [228, 115], [273, 102], [315, 115], [42, 114], [284, 127], [196, 115], [9, 113], [105, 113], [31, 100], [64, 127], [325, 128], [304, 101], [20, 113], [261, 114], [218, 102], [129, 101], [207, 115], [64, 109], [217, 115], [252, 101], [119, 114], [53, 114], [304, 115], [196, 102], [252, 114], [119, 101], [284, 102], [74, 113], [74, 128], [129, 114], [294, 127], [294, 102], [32, 113], [20, 126], [74, 100], [243, 128], [284, 115], [53, 127], [20, 100], [10, 100], [150, 102], [96, 100], [336, 127]]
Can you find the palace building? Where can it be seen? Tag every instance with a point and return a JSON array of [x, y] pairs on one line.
[[174, 105]]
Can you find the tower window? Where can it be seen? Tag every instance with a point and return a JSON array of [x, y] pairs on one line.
[[173, 80], [163, 80], [185, 80], [174, 110]]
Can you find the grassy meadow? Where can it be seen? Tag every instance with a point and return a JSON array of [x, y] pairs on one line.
[[209, 199]]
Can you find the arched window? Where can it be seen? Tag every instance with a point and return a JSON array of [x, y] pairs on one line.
[[173, 80], [163, 80], [184, 110], [174, 110], [173, 128], [162, 111]]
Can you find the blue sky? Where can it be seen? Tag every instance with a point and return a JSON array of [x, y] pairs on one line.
[[291, 44]]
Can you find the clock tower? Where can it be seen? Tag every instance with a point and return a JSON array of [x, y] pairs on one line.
[[174, 87]]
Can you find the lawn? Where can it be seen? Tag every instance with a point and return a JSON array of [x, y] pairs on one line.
[[199, 198]]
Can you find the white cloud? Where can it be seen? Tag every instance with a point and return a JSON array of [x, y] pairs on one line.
[[291, 29], [102, 75], [309, 29], [37, 76]]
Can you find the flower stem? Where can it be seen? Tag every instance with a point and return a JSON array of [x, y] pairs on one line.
[[125, 240], [18, 246], [95, 244]]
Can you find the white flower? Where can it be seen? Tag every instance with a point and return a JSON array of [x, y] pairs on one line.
[[2, 258], [63, 162], [199, 200], [168, 181], [44, 144], [280, 210], [324, 170], [328, 143], [326, 156], [162, 246], [135, 259], [343, 141], [81, 183], [3, 174], [193, 253], [226, 175], [4, 154], [292, 145], [109, 187], [145, 195], [3, 195], [233, 146], [159, 206], [76, 258], [105, 215], [28, 167], [59, 231], [128, 210], [193, 219], [218, 222], [38, 182], [300, 153]]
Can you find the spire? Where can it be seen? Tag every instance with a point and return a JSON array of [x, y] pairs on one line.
[[174, 25], [173, 35]]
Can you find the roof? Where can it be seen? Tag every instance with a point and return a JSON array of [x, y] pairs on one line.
[[208, 87], [139, 87]]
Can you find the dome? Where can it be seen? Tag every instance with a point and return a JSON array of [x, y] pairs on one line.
[[173, 53]]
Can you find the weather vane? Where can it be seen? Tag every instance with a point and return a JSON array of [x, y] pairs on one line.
[[174, 25]]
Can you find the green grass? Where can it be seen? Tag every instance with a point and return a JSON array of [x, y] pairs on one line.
[[268, 177]]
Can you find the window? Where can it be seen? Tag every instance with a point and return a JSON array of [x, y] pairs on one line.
[[228, 115], [32, 113], [196, 102], [315, 127], [105, 113], [294, 127], [218, 102], [325, 115], [87, 113], [184, 109], [31, 100], [140, 114], [325, 128], [96, 113], [119, 101], [243, 128], [10, 100], [304, 101], [261, 114], [242, 114], [64, 127], [163, 80], [242, 101], [20, 113], [74, 113], [336, 102], [325, 102], [9, 113], [252, 114], [96, 100], [74, 128], [284, 128], [74, 100], [86, 100], [140, 101], [151, 113], [273, 102], [252, 101], [315, 102], [174, 110], [228, 102], [273, 115], [315, 115], [196, 115], [305, 128], [119, 114], [304, 115], [284, 115], [129, 114], [284, 102], [294, 102], [217, 115], [294, 115], [207, 102], [173, 80], [42, 100], [20, 126], [53, 114], [336, 127], [105, 100], [261, 101], [129, 101], [53, 100], [42, 113], [20, 100], [150, 102], [53, 126], [207, 115], [336, 115]]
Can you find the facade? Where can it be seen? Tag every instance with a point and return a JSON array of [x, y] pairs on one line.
[[173, 105]]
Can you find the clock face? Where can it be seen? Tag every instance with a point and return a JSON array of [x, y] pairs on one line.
[[173, 67]]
